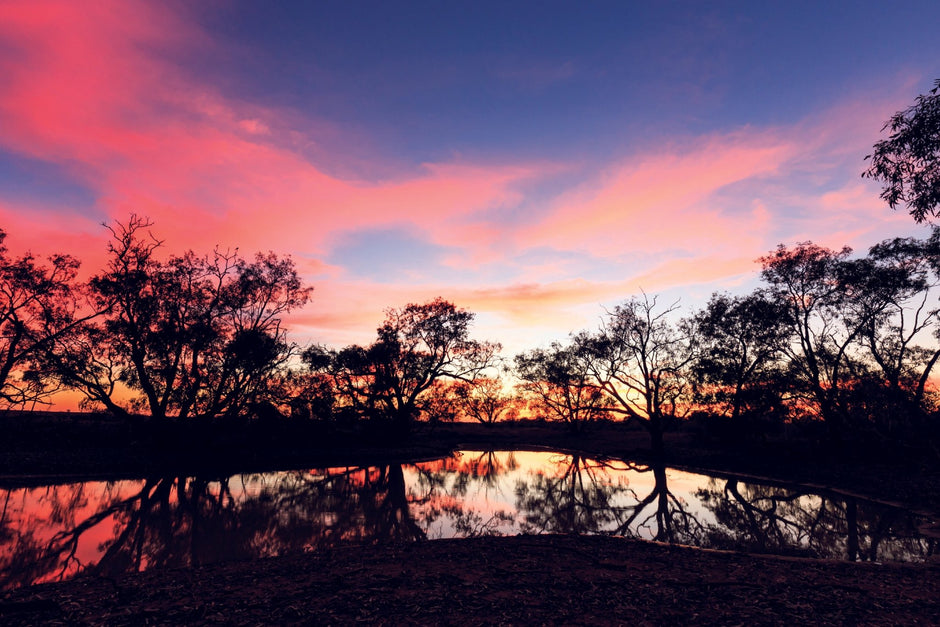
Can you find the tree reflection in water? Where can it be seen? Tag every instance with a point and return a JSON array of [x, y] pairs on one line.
[[595, 496], [53, 532], [178, 521], [773, 519]]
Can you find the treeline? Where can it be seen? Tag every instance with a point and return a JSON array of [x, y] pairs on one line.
[[848, 344], [844, 344], [189, 335]]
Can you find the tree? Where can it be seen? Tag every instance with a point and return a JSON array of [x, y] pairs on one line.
[[38, 306], [906, 272], [485, 400], [417, 347], [191, 336], [558, 380], [640, 361], [831, 302], [908, 162], [738, 343], [805, 280]]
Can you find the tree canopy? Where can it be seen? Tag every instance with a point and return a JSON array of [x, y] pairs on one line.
[[908, 162], [38, 306], [418, 347], [190, 335]]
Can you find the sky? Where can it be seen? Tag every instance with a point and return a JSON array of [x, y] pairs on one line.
[[534, 163]]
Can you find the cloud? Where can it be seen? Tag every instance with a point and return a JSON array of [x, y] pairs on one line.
[[101, 91], [650, 203], [95, 88]]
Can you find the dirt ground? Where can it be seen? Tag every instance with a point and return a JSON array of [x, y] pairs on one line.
[[520, 580]]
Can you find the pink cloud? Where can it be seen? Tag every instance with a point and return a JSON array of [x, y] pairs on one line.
[[728, 198], [93, 86], [651, 203], [87, 90]]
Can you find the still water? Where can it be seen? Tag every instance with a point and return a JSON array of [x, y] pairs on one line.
[[54, 532]]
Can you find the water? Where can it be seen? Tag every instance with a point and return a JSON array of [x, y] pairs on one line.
[[54, 532]]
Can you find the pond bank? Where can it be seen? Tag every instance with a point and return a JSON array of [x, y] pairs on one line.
[[512, 580]]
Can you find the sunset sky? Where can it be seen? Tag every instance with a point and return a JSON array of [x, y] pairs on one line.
[[532, 162]]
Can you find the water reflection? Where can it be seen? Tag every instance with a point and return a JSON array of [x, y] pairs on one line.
[[601, 496], [53, 532], [791, 521]]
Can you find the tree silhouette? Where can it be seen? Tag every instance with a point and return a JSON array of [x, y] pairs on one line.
[[906, 271], [557, 382], [485, 400], [812, 283], [191, 335], [908, 162], [418, 347], [38, 307], [640, 360], [738, 344], [852, 326]]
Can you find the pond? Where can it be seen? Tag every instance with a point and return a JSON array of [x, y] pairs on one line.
[[53, 532]]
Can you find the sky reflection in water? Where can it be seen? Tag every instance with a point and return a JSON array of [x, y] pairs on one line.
[[53, 532]]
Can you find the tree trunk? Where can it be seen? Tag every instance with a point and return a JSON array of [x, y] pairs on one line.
[[656, 437]]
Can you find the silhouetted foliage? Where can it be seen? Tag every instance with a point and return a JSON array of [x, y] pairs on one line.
[[38, 306], [908, 162], [738, 344], [853, 323], [192, 335], [418, 347], [847, 341], [485, 400], [557, 383], [906, 271], [814, 286], [635, 366], [640, 360]]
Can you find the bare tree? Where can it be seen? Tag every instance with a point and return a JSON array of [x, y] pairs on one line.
[[639, 359]]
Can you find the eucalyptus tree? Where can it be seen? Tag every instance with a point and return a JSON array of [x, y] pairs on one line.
[[485, 400], [39, 305], [813, 284], [558, 384], [908, 162], [192, 335], [835, 306], [738, 346], [640, 361], [418, 346], [905, 272]]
